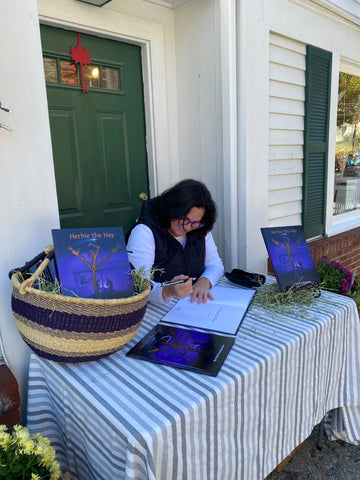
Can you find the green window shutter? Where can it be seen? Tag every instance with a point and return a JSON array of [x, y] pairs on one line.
[[316, 136]]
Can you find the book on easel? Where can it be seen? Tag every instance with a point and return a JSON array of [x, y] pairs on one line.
[[201, 352], [290, 257], [93, 262]]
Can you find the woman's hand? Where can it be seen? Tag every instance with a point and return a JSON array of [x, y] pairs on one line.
[[181, 290], [200, 290]]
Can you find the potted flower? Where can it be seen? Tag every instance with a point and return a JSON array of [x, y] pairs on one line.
[[336, 278], [26, 458]]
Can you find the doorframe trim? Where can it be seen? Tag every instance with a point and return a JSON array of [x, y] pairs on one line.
[[150, 37]]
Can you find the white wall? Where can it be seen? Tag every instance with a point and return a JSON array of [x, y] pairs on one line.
[[198, 66], [28, 202], [253, 141]]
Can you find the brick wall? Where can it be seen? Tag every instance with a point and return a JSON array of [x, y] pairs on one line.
[[344, 248]]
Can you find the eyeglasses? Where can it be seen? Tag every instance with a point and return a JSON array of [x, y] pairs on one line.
[[184, 222]]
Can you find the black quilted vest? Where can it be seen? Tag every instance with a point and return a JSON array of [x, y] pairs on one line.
[[169, 253]]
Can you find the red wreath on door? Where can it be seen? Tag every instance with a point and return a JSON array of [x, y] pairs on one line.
[[81, 56]]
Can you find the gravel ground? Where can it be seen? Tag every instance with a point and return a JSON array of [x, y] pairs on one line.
[[336, 460]]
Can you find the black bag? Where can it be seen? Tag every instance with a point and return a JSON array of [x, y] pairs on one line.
[[245, 279]]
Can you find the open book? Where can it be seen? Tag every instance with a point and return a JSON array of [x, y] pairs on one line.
[[224, 314]]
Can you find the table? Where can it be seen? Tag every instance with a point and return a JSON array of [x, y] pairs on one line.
[[122, 418]]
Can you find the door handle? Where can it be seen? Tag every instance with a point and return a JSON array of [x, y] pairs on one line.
[[143, 197]]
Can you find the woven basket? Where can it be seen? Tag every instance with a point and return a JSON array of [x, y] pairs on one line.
[[73, 329]]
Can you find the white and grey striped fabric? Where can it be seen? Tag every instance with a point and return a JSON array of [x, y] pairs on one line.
[[122, 418]]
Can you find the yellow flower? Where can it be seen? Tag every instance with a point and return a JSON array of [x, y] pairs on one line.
[[22, 444], [27, 447], [40, 439], [45, 450], [5, 440], [21, 435], [48, 456], [55, 470]]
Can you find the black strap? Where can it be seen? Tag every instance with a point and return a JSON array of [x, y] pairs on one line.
[[32, 262]]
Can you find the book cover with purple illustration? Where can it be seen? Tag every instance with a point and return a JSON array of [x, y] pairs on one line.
[[93, 262], [290, 257], [201, 352]]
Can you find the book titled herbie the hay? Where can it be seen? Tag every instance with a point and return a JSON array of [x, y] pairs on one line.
[[291, 258], [93, 262]]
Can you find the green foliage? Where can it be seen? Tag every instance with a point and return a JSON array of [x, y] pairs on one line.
[[270, 298], [43, 283], [142, 278], [349, 91], [336, 278]]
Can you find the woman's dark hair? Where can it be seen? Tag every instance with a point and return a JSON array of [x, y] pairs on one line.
[[178, 200]]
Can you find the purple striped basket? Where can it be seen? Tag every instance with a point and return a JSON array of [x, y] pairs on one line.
[[73, 329]]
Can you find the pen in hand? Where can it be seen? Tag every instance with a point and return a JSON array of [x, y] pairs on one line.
[[175, 282]]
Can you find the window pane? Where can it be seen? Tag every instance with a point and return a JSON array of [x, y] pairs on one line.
[[50, 70], [110, 78], [91, 76], [347, 159], [69, 72]]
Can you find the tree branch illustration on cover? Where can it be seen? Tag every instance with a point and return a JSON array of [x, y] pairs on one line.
[[93, 262], [285, 245], [94, 266], [202, 352], [290, 256], [181, 346], [170, 342]]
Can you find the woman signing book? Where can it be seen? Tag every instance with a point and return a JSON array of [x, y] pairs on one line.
[[173, 237]]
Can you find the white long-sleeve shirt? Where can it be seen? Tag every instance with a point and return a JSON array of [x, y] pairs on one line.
[[141, 252]]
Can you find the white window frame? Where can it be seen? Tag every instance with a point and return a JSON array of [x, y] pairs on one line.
[[344, 221]]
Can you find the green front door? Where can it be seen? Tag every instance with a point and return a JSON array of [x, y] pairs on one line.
[[98, 138]]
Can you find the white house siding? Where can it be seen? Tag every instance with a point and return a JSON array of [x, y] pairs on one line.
[[286, 129], [198, 72]]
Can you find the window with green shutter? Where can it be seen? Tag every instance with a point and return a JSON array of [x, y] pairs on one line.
[[316, 135]]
